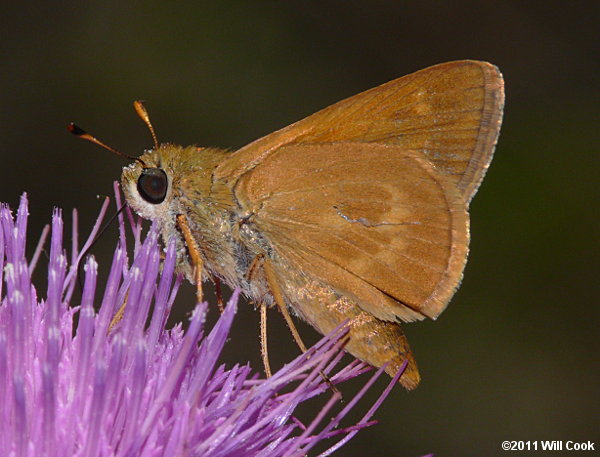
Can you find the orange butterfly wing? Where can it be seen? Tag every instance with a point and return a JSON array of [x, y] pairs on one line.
[[370, 194], [451, 113]]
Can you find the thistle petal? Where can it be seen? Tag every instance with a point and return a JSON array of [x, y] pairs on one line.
[[133, 389]]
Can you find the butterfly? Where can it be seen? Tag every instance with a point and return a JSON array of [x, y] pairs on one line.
[[357, 213]]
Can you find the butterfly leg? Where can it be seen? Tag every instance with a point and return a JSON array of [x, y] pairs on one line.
[[118, 315], [194, 251], [219, 294], [263, 339], [278, 296], [264, 352]]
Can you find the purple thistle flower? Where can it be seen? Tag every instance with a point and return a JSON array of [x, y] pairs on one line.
[[138, 389]]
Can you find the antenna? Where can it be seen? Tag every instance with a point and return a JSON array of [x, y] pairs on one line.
[[77, 131], [141, 111]]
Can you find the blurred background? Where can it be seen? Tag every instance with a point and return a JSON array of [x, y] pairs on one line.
[[515, 356]]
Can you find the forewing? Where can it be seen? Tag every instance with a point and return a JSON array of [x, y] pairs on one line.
[[450, 114], [376, 222]]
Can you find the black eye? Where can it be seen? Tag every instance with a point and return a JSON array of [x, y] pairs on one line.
[[152, 185]]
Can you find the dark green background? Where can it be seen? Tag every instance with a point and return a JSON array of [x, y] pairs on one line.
[[515, 356]]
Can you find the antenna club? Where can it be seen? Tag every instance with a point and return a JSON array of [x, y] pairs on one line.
[[79, 132], [75, 130], [142, 112]]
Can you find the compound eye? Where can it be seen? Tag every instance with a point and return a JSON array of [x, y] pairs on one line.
[[152, 185]]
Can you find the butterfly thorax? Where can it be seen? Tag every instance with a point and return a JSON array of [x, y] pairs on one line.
[[227, 240]]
